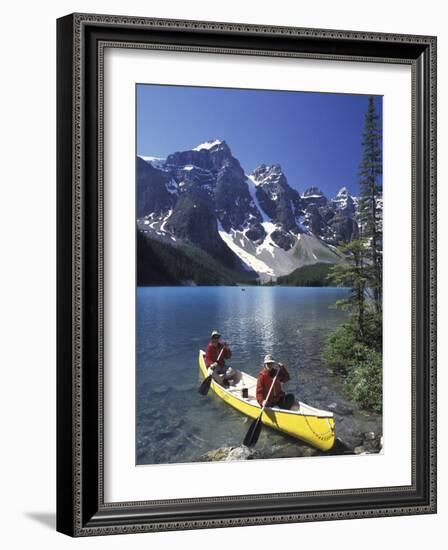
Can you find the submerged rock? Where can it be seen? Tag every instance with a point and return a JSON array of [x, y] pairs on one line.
[[216, 454], [340, 409], [341, 447], [352, 441], [372, 442], [309, 451], [228, 454], [239, 453], [162, 435]]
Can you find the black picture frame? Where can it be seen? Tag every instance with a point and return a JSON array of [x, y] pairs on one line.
[[81, 510]]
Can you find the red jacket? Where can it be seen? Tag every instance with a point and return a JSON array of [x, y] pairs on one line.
[[212, 352], [264, 382]]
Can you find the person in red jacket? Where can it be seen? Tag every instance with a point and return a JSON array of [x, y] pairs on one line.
[[215, 359], [277, 397]]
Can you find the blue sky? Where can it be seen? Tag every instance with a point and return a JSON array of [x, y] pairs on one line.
[[315, 137]]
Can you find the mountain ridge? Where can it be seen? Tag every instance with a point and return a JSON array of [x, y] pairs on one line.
[[254, 222]]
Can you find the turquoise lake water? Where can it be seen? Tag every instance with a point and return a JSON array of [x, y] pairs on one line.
[[176, 424]]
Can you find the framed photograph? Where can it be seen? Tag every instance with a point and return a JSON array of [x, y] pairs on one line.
[[246, 274]]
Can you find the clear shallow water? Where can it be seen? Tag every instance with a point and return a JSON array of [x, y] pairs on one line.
[[174, 422]]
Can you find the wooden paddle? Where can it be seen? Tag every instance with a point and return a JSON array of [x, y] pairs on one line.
[[253, 433], [205, 386]]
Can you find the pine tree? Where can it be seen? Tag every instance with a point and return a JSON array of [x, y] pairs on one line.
[[353, 273], [369, 212]]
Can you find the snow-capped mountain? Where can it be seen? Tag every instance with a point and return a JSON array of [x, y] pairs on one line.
[[254, 222], [343, 202]]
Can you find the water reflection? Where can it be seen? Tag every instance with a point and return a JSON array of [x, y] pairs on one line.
[[174, 423]]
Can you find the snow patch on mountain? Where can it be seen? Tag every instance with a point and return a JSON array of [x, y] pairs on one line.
[[172, 187], [165, 219], [269, 260], [238, 243], [268, 244], [156, 162], [207, 145], [252, 186], [249, 260]]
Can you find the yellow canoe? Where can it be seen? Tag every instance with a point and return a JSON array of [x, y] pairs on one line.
[[311, 425]]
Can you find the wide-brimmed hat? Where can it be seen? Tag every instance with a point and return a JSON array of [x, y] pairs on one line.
[[215, 333], [268, 359]]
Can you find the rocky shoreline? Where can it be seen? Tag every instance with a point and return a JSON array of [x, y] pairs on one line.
[[369, 443]]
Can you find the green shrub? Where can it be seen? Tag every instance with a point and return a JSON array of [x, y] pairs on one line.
[[373, 331], [348, 354], [364, 382], [343, 349]]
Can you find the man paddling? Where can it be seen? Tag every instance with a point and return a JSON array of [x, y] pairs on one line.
[[215, 359], [277, 397]]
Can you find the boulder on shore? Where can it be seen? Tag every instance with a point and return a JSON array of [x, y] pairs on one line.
[[228, 453]]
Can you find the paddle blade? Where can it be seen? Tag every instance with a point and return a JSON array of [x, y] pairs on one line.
[[205, 386], [253, 433]]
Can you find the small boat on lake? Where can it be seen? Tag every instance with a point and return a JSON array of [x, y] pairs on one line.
[[313, 426]]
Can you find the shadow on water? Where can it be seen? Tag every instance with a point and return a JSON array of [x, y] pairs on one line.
[[176, 424]]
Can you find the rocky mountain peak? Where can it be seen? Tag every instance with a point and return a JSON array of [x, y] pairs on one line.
[[313, 192], [313, 196], [268, 174], [212, 145], [210, 155], [343, 202], [343, 192], [277, 199]]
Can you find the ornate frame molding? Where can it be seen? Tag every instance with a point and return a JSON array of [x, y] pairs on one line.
[[81, 42]]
